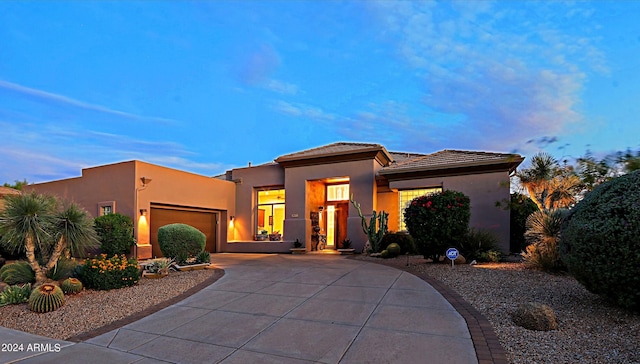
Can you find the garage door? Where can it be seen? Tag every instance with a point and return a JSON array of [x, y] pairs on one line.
[[204, 221]]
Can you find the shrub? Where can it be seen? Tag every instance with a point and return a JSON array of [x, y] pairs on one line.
[[521, 207], [63, 269], [403, 239], [19, 272], [437, 221], [106, 273], [492, 255], [203, 257], [543, 236], [176, 239], [475, 243], [115, 232], [46, 298], [601, 241], [12, 295]]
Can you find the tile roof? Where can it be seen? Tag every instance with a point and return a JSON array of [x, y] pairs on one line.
[[448, 159], [331, 149]]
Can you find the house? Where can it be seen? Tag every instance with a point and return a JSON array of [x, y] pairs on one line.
[[286, 199]]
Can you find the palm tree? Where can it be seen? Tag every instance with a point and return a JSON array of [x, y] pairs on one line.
[[38, 225]]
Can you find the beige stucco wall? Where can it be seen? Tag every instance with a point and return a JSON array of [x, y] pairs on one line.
[[120, 182], [484, 190]]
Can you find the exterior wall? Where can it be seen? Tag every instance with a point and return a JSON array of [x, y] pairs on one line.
[[388, 201], [244, 224], [120, 185], [484, 190]]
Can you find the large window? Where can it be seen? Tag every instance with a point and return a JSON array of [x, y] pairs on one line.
[[338, 192], [270, 216], [406, 196]]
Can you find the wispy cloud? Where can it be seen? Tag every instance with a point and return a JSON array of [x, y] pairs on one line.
[[64, 100], [510, 82]]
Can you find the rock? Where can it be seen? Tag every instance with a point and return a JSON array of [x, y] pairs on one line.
[[460, 260], [535, 316]]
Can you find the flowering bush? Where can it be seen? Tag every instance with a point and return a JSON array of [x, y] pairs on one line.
[[437, 221], [102, 272]]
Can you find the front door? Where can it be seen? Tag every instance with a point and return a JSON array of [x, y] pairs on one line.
[[337, 214]]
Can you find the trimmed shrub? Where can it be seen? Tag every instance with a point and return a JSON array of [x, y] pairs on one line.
[[115, 232], [543, 236], [520, 208], [601, 241], [476, 243], [437, 221], [177, 239], [402, 238], [19, 272], [105, 273]]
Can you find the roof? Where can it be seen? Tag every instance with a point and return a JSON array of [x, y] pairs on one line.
[[338, 150], [450, 159]]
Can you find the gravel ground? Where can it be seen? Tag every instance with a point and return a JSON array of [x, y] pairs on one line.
[[590, 330], [90, 310]]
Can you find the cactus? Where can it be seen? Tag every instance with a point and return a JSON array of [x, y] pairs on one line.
[[377, 227], [71, 286], [46, 298], [394, 249]]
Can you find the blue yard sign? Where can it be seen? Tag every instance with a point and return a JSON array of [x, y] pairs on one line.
[[452, 253]]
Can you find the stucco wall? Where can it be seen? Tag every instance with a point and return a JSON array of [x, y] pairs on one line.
[[484, 190]]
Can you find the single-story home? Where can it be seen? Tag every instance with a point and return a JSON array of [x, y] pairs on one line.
[[265, 208]]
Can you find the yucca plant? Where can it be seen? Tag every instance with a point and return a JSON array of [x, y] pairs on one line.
[[17, 273], [46, 298], [543, 236], [15, 294]]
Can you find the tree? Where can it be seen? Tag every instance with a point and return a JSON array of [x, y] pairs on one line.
[[42, 226], [17, 184], [550, 185]]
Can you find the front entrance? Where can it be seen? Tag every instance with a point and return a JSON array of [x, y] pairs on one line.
[[336, 224]]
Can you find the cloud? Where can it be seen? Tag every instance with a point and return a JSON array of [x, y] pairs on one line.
[[51, 98], [510, 69], [303, 110]]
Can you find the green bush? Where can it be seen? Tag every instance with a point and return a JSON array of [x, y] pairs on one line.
[[203, 257], [543, 237], [105, 273], [19, 272], [12, 295], [491, 255], [437, 221], [601, 241], [520, 208], [402, 238], [63, 269], [178, 239], [476, 242], [115, 232]]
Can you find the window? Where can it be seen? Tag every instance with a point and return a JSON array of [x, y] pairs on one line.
[[406, 196], [338, 192], [270, 216], [106, 208]]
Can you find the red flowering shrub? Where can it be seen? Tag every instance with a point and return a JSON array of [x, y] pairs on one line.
[[437, 221]]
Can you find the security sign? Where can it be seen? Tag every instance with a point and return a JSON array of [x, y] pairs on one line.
[[452, 253]]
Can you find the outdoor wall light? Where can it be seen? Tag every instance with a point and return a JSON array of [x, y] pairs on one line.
[[231, 218], [145, 180], [143, 212]]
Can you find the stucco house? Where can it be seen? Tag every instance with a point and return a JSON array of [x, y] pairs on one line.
[[286, 198]]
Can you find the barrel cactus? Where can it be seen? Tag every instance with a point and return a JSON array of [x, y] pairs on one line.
[[46, 298], [71, 286]]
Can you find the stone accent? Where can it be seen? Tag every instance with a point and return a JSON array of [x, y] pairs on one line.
[[535, 316]]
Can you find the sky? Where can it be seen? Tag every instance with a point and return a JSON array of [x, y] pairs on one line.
[[206, 86]]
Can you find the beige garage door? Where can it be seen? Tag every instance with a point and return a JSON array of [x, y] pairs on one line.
[[204, 221]]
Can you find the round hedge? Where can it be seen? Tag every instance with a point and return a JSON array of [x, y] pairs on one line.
[[180, 239], [601, 241]]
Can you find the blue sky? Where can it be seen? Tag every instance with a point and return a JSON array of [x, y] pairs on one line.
[[205, 86]]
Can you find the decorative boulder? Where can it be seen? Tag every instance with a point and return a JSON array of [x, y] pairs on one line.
[[460, 260], [535, 316]]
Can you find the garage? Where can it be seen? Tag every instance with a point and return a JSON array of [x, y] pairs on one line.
[[202, 219]]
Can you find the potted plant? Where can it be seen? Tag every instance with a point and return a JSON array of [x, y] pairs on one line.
[[345, 247], [262, 236], [298, 248], [157, 268], [275, 236]]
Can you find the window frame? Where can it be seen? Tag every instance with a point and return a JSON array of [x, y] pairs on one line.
[[402, 207]]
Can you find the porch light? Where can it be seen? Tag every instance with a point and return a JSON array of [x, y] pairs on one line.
[[143, 212], [231, 218]]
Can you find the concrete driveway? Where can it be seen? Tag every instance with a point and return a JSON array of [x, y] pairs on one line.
[[271, 308]]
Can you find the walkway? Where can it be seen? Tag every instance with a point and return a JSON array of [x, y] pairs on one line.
[[282, 309]]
